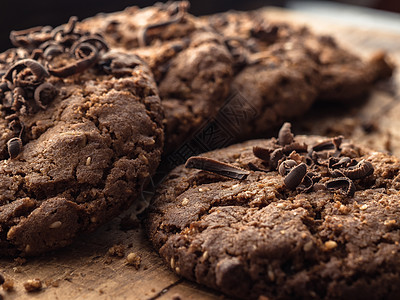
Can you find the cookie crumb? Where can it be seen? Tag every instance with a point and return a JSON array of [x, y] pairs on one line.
[[33, 285], [134, 259], [117, 250], [8, 285], [330, 245]]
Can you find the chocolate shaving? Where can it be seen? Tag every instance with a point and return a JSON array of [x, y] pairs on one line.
[[285, 136], [262, 153], [80, 65], [300, 148], [14, 147], [336, 173], [36, 68], [44, 94], [307, 183], [295, 176], [337, 141], [30, 38], [70, 26], [276, 156], [324, 145], [286, 166], [53, 50], [342, 183], [220, 168], [93, 40], [362, 169], [182, 10], [336, 163]]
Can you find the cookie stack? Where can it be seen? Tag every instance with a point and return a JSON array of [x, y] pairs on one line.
[[89, 110]]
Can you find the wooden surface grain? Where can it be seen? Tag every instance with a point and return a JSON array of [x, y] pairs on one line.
[[85, 270]]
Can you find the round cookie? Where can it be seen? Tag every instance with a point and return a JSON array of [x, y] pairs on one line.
[[81, 135], [343, 75], [189, 60], [302, 217], [278, 77]]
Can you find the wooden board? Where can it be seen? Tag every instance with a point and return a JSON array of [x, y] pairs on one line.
[[84, 270]]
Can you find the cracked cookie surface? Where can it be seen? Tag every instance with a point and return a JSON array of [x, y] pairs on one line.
[[90, 139], [281, 69], [190, 62], [256, 237]]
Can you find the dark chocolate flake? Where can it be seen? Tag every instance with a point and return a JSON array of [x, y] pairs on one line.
[[295, 176], [362, 169], [299, 148], [341, 183], [36, 68], [262, 153], [324, 145], [336, 163], [96, 41], [14, 147], [91, 57], [220, 168], [53, 50], [285, 136], [276, 156], [286, 166], [143, 34], [307, 183], [337, 141], [44, 94]]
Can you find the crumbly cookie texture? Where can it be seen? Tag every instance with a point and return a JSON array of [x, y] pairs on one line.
[[344, 75], [281, 70], [311, 218], [85, 125], [191, 64]]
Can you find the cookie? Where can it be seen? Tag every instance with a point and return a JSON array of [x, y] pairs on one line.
[[298, 217], [343, 75], [190, 62], [81, 135]]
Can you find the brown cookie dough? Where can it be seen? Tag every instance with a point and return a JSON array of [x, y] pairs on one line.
[[343, 75], [81, 135], [311, 218], [190, 62]]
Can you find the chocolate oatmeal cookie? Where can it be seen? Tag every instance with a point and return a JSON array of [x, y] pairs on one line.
[[81, 134], [298, 217], [343, 75], [191, 64]]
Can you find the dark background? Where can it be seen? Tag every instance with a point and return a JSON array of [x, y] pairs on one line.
[[22, 14]]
